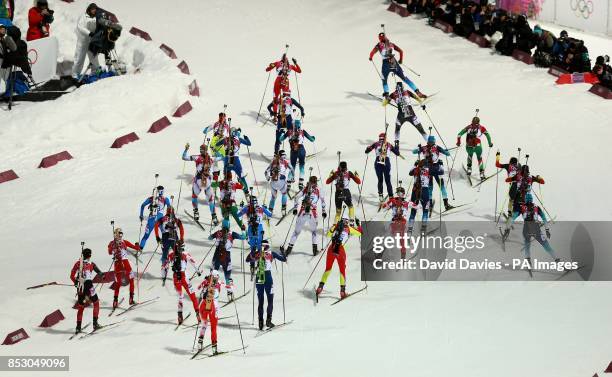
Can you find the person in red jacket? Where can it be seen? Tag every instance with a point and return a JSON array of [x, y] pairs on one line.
[[82, 277], [39, 20], [118, 249], [283, 69]]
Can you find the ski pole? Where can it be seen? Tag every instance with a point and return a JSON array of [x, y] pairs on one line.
[[543, 207], [178, 202], [253, 301], [202, 262], [253, 168], [297, 86], [289, 230], [450, 177], [283, 286], [242, 266], [410, 69], [239, 327], [149, 261], [496, 188], [195, 336], [376, 69], [363, 179], [263, 96]]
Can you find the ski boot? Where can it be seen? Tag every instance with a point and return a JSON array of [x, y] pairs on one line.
[[96, 325], [386, 95], [381, 198], [180, 318], [230, 296], [469, 170], [261, 323], [115, 302], [288, 250], [396, 143], [343, 291], [482, 175], [269, 323], [423, 229], [78, 327], [132, 302], [215, 220], [200, 342], [447, 205], [315, 250], [214, 348], [196, 214], [252, 270], [283, 209], [198, 317], [301, 184], [320, 288]]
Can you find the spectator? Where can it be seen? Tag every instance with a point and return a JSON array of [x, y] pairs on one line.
[[603, 71], [86, 26], [560, 47], [6, 12], [7, 45], [576, 57], [505, 24], [525, 40], [14, 50], [470, 17], [40, 18], [545, 40]]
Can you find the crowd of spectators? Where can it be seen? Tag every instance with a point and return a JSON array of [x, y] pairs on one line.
[[508, 32]]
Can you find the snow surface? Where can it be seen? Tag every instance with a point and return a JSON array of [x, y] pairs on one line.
[[422, 329]]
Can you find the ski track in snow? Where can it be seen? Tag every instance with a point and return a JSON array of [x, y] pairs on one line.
[[426, 329]]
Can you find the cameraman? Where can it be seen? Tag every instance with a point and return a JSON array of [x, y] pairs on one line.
[[40, 18], [85, 28]]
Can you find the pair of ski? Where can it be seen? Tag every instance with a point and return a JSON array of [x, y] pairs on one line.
[[198, 223], [219, 353], [263, 332], [316, 296], [482, 180], [385, 101], [96, 331], [132, 307], [308, 156], [234, 299]]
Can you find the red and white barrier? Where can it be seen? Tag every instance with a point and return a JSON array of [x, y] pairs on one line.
[[183, 67], [194, 89], [577, 78], [15, 337], [140, 33], [447, 28], [556, 71], [396, 8], [125, 139], [601, 91], [52, 319], [53, 159], [168, 51], [182, 110], [522, 56], [479, 40], [159, 125], [8, 175]]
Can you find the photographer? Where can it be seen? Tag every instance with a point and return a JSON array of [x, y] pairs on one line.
[[543, 57], [85, 28], [525, 40], [40, 18], [504, 24]]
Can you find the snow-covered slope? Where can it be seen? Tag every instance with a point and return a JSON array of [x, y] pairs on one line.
[[423, 329]]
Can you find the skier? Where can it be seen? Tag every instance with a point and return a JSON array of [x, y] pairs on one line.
[[420, 194], [210, 289], [474, 132], [307, 214], [405, 112], [431, 153], [296, 136], [343, 177], [399, 209], [231, 161], [524, 182], [390, 64], [157, 207], [282, 113], [179, 258], [283, 69], [383, 164], [339, 233], [277, 173], [511, 168], [82, 277], [118, 249], [255, 215], [264, 282], [220, 130], [531, 229], [169, 225], [222, 258], [202, 181], [85, 28], [227, 197]]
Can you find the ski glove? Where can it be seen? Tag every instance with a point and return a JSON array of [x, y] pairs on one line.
[[141, 217], [294, 211], [294, 61], [324, 214], [490, 145]]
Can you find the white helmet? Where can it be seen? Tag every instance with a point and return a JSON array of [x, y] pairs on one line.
[[215, 274]]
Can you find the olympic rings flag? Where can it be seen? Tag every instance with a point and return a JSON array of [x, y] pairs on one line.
[[582, 8]]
